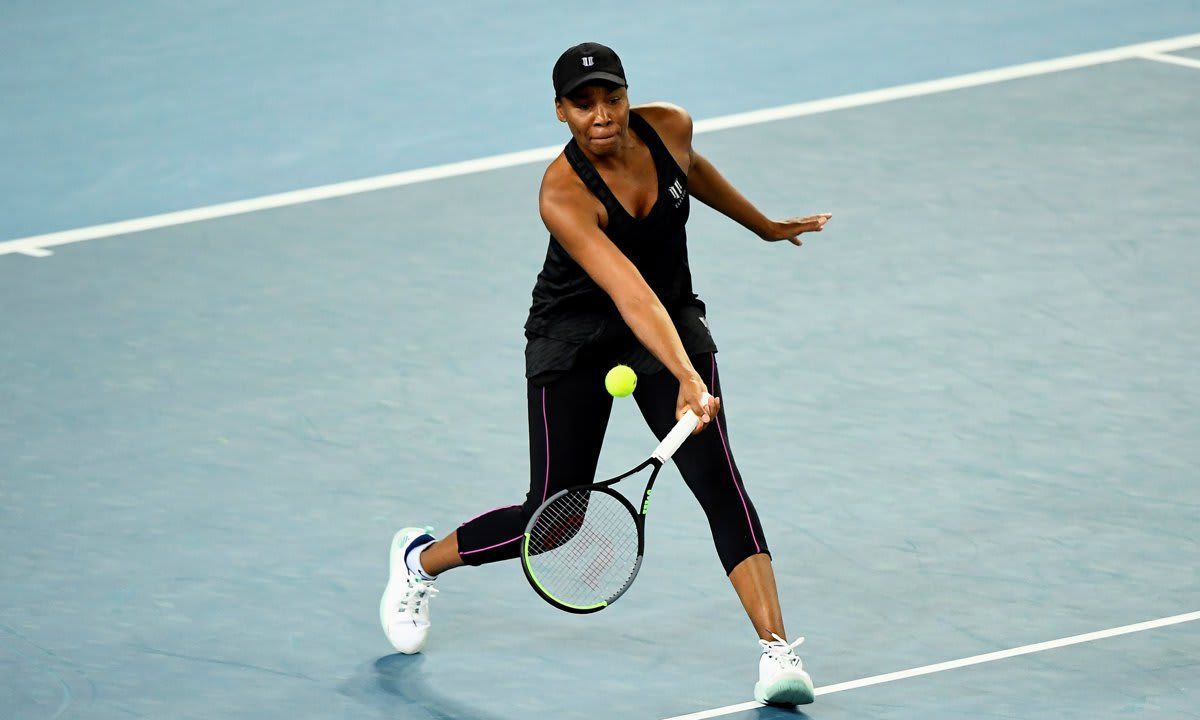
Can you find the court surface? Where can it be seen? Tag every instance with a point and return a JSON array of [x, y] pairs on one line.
[[966, 412]]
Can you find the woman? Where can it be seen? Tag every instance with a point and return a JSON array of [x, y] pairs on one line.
[[616, 288]]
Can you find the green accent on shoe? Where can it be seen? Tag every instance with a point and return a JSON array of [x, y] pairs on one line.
[[790, 691], [532, 574]]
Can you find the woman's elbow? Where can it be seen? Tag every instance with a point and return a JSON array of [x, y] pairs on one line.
[[636, 302]]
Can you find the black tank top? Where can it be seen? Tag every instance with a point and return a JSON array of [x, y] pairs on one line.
[[573, 320]]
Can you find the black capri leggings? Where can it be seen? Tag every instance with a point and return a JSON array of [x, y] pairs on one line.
[[567, 420]]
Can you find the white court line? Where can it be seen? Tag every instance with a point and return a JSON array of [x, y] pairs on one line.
[[495, 162], [37, 252], [1172, 59], [964, 662]]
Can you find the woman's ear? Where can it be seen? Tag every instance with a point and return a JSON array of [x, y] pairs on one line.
[[558, 110]]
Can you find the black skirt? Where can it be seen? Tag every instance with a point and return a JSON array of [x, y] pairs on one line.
[[612, 343]]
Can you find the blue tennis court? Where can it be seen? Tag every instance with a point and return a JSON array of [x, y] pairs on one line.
[[967, 411]]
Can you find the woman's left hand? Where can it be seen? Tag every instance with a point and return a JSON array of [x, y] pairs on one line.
[[792, 228]]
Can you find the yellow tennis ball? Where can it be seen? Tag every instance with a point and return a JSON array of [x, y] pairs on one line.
[[620, 381]]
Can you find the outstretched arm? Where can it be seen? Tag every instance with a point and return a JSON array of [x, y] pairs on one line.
[[711, 188]]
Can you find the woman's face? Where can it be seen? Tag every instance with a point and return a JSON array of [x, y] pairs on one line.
[[598, 115]]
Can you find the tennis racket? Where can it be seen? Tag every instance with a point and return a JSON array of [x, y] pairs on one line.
[[583, 546]]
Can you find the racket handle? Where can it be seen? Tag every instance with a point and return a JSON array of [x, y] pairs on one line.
[[682, 431]]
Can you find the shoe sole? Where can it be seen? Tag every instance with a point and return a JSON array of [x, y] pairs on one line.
[[789, 691]]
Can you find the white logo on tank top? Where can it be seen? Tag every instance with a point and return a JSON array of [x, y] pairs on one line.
[[677, 191], [588, 61]]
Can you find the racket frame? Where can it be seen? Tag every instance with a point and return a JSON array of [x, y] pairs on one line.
[[639, 519], [669, 445]]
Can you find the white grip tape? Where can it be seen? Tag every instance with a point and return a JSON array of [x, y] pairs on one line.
[[682, 431]]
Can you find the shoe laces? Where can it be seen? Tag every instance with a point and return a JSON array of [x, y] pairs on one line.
[[416, 601], [781, 652]]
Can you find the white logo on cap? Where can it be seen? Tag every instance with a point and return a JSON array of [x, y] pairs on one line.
[[588, 61]]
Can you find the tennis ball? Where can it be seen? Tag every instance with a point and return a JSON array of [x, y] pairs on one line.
[[620, 381]]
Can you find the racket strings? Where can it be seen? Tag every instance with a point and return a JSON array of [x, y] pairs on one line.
[[583, 547]]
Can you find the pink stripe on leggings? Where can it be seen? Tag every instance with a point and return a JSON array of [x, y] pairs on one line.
[[489, 547], [546, 427], [712, 387]]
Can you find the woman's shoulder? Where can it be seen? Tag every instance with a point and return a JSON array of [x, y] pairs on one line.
[[670, 121], [560, 176], [674, 127], [562, 187]]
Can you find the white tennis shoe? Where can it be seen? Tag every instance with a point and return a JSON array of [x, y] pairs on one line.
[[781, 676], [404, 607]]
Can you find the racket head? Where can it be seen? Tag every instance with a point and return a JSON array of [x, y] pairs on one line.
[[583, 548]]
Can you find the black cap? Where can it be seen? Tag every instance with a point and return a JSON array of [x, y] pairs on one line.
[[584, 63]]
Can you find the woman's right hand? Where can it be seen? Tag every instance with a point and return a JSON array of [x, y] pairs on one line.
[[693, 394]]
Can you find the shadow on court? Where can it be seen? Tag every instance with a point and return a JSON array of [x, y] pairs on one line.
[[772, 713], [399, 677], [398, 682]]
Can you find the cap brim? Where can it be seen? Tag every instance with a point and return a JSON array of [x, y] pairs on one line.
[[592, 77]]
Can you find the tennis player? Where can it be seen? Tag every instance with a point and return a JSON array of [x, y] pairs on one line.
[[616, 288]]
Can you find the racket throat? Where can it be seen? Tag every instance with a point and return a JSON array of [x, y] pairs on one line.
[[657, 465]]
